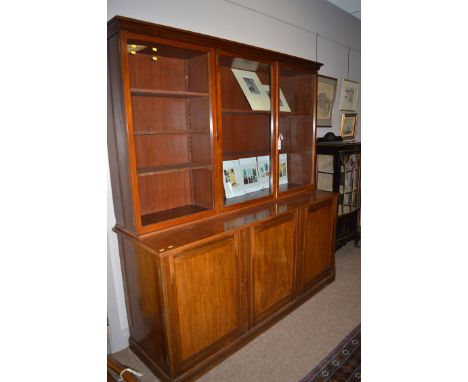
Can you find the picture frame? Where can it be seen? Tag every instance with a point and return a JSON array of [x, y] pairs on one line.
[[253, 89], [284, 106], [349, 95], [283, 169], [348, 125], [326, 94]]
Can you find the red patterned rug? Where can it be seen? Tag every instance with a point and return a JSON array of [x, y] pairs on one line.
[[343, 364]]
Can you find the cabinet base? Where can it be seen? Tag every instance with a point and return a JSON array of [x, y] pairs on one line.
[[214, 359]]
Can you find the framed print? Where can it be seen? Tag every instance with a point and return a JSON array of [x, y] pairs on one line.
[[283, 103], [326, 92], [349, 93], [348, 126], [283, 169], [253, 89]]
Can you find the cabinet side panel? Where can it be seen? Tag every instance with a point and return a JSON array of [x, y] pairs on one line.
[[113, 158], [117, 141], [143, 290], [319, 236]]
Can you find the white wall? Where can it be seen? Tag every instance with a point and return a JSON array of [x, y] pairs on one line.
[[285, 26]]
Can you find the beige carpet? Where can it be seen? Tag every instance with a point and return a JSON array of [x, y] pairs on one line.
[[294, 346]]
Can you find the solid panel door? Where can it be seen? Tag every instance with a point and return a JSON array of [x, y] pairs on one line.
[[273, 259], [318, 246], [207, 290]]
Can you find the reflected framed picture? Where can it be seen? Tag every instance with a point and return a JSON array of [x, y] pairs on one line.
[[349, 95], [253, 89], [284, 106], [326, 92], [348, 125]]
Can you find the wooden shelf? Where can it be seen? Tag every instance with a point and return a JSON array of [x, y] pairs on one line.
[[244, 111], [250, 196], [172, 213], [295, 115], [296, 151], [282, 113], [145, 171], [156, 132], [289, 186], [167, 93], [244, 154]]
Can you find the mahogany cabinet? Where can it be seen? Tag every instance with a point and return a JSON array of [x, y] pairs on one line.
[[205, 271]]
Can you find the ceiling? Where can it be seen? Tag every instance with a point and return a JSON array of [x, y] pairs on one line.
[[353, 7]]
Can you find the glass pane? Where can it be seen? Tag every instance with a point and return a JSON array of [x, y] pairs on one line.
[[350, 183], [295, 129], [170, 95], [246, 127]]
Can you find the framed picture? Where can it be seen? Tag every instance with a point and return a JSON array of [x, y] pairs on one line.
[[349, 95], [326, 92], [348, 126], [283, 103], [253, 89]]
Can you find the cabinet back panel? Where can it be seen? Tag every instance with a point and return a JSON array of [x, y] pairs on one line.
[[164, 74], [159, 114], [246, 135], [199, 114], [198, 74], [297, 133], [164, 191], [202, 188], [300, 168], [200, 146], [299, 91], [157, 150]]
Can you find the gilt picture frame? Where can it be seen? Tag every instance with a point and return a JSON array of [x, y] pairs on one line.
[[349, 95], [348, 125], [326, 94]]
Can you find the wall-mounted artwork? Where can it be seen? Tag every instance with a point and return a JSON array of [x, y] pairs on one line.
[[326, 92], [348, 126], [349, 95]]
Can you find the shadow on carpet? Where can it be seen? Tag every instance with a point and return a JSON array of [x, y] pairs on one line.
[[342, 364]]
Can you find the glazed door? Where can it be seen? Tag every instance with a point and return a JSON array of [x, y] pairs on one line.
[[318, 257], [273, 258], [206, 288]]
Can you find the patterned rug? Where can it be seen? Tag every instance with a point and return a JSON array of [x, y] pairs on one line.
[[343, 364]]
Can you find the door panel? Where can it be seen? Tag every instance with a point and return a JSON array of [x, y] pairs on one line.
[[273, 263], [207, 289], [318, 248]]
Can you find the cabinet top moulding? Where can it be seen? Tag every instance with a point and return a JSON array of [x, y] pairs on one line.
[[120, 23]]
